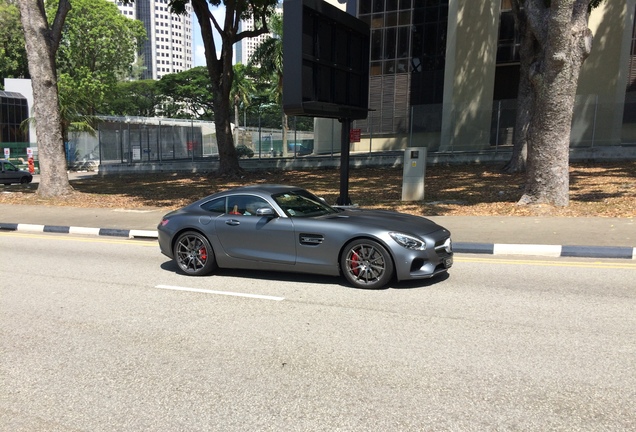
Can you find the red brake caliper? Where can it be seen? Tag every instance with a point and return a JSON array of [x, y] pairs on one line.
[[355, 268], [203, 253]]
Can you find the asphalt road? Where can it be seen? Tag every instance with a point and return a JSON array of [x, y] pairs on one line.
[[104, 335]]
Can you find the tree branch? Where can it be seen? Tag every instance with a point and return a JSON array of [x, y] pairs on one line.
[[215, 22], [204, 16], [58, 24], [256, 32]]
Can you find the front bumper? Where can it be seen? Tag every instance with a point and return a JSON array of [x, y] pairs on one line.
[[436, 259]]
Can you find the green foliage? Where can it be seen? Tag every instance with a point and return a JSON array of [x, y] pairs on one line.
[[133, 98], [13, 60], [244, 151], [73, 102], [98, 46], [188, 94], [268, 58], [243, 85]]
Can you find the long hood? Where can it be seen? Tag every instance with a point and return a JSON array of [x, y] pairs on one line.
[[389, 220]]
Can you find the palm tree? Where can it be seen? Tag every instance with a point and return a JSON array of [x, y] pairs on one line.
[[268, 57], [73, 105], [242, 89]]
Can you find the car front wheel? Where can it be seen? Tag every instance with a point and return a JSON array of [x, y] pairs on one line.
[[366, 264], [194, 255]]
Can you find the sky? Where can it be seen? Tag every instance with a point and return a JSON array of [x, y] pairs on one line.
[[198, 50]]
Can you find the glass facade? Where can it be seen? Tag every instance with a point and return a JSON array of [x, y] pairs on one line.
[[407, 59], [408, 49], [631, 81], [13, 111], [144, 14], [508, 47], [430, 24]]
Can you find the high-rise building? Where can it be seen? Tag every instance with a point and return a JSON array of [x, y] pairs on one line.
[[169, 46], [244, 49]]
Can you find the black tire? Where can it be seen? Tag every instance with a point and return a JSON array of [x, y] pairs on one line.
[[366, 264], [194, 255], [24, 180]]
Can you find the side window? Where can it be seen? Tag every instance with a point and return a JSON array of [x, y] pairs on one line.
[[254, 204], [245, 205], [215, 206]]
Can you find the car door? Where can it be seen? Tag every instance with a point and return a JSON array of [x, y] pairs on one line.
[[246, 236], [8, 173]]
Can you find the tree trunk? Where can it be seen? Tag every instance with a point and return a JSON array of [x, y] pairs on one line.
[[221, 74], [41, 43], [528, 53], [566, 42], [228, 158]]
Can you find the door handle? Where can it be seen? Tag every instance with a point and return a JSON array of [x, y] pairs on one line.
[[232, 222]]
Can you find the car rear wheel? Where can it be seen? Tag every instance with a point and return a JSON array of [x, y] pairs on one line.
[[24, 180], [194, 255], [366, 264]]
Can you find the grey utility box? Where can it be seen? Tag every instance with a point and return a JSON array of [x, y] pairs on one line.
[[413, 176]]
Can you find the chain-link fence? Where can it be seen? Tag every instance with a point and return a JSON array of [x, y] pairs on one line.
[[139, 139], [129, 140]]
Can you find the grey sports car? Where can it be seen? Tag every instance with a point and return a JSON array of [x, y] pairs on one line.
[[286, 228]]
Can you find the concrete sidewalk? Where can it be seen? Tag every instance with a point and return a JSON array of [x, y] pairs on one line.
[[501, 235]]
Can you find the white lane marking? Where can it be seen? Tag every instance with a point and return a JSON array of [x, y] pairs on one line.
[[228, 293]]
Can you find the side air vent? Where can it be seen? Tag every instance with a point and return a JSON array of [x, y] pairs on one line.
[[311, 239]]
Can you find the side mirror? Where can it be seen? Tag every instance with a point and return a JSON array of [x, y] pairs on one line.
[[265, 211]]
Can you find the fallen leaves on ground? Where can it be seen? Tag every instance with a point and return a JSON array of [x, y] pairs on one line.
[[599, 189]]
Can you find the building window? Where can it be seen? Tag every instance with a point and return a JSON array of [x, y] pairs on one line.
[[631, 79], [13, 111], [428, 51], [509, 37]]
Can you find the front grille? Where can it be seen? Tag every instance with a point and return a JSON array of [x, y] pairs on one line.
[[444, 247]]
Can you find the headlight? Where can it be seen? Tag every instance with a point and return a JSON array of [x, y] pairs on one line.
[[408, 241]]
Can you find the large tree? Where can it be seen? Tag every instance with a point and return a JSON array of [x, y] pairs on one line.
[[98, 46], [555, 41], [42, 40], [13, 60], [219, 61], [187, 94], [133, 98]]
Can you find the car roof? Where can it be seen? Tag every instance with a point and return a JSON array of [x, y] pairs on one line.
[[264, 188]]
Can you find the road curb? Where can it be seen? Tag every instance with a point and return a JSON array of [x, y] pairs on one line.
[[458, 247], [108, 232], [546, 250]]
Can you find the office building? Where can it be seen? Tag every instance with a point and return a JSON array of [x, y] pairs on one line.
[[169, 47], [444, 75], [244, 49]]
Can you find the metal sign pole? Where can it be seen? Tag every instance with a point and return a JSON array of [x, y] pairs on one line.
[[344, 199]]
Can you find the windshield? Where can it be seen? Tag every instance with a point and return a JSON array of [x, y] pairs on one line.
[[300, 203]]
